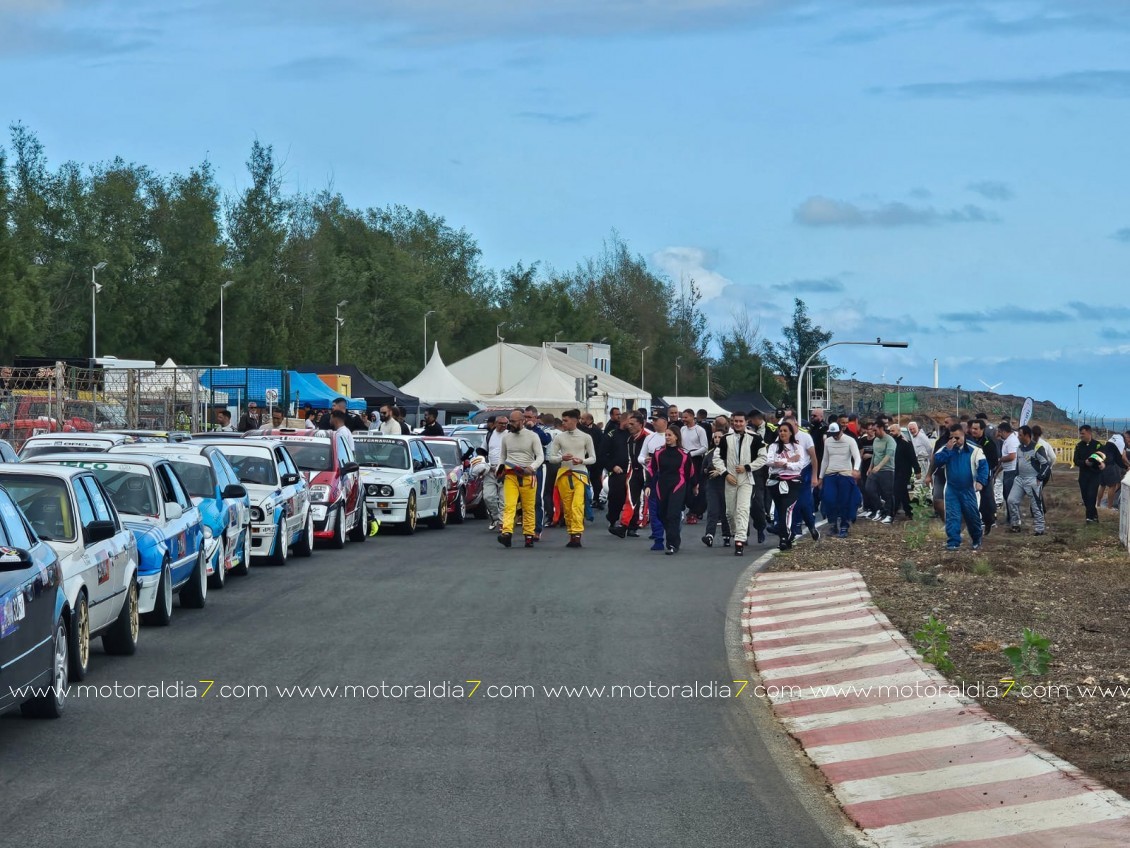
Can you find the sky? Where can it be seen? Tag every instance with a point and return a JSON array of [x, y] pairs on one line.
[[948, 173]]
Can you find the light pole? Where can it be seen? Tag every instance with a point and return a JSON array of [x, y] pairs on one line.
[[1078, 399], [94, 289], [642, 352], [338, 321], [898, 400], [677, 358], [957, 413], [555, 335], [800, 377], [222, 287], [426, 314], [853, 373]]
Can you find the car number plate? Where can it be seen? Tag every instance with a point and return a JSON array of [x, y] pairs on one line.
[[12, 611]]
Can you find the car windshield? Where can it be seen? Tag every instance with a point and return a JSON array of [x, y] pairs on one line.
[[447, 453], [311, 456], [42, 448], [46, 504], [381, 454], [130, 486], [252, 466], [197, 478]]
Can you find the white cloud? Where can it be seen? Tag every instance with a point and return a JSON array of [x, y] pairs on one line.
[[692, 263], [820, 211]]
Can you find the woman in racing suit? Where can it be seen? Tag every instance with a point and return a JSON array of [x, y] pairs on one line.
[[786, 461], [672, 475]]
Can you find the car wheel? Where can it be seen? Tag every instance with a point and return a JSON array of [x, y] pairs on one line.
[[219, 572], [121, 638], [50, 704], [459, 509], [360, 531], [79, 649], [244, 554], [409, 525], [163, 612], [282, 544], [305, 545], [195, 591], [337, 542]]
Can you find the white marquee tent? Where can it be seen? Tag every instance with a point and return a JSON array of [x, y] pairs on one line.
[[436, 384]]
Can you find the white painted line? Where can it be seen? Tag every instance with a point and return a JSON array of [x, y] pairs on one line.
[[853, 688], [801, 604], [801, 576], [1088, 808], [801, 591], [797, 615], [824, 627], [831, 645], [860, 662], [951, 736], [951, 777], [876, 712]]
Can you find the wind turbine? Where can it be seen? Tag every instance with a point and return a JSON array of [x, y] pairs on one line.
[[991, 388]]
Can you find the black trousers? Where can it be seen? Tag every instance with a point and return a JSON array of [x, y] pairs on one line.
[[785, 504], [671, 514], [548, 490], [988, 506], [1089, 484], [624, 492], [697, 503], [902, 494], [716, 506]]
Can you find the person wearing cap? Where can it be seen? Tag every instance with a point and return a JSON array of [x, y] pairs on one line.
[[839, 471], [652, 442], [250, 420]]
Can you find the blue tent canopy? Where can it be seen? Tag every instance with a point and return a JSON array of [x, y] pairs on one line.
[[308, 389], [246, 384]]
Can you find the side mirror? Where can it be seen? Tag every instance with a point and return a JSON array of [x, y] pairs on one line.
[[290, 479], [99, 531], [173, 511], [14, 559], [233, 490], [417, 465], [350, 468]]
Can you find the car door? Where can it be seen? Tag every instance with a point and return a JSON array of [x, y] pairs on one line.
[[295, 516], [421, 480], [176, 529], [117, 546], [94, 562], [349, 479], [27, 610], [432, 475]]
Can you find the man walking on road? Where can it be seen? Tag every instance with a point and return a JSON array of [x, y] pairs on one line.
[[572, 451], [714, 482], [492, 484], [980, 437], [739, 456], [520, 458], [625, 483], [967, 474], [881, 474], [694, 439], [652, 442]]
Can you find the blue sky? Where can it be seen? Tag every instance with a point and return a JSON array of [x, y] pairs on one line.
[[946, 172]]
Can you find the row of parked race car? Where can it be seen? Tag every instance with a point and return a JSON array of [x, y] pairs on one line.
[[99, 530]]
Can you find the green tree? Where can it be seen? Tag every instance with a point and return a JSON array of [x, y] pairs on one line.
[[739, 366], [802, 339]]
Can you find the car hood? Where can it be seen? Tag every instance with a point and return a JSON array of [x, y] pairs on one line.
[[382, 475], [144, 532]]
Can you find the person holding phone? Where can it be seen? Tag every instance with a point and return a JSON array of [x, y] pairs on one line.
[[967, 473]]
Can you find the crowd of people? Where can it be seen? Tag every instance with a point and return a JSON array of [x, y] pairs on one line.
[[675, 468]]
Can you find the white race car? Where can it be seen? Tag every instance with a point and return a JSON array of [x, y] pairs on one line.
[[404, 483]]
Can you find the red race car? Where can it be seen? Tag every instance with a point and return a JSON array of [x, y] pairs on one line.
[[464, 476], [337, 500]]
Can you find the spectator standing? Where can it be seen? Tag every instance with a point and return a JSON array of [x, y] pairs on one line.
[[1010, 443], [906, 467], [432, 427], [1114, 471], [250, 420], [671, 477], [1090, 461]]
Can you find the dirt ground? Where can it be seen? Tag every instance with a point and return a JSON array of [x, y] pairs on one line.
[[1071, 585]]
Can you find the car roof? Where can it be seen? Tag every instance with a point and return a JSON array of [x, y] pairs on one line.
[[374, 435], [98, 436], [185, 448], [42, 469], [239, 442], [146, 459], [288, 433]]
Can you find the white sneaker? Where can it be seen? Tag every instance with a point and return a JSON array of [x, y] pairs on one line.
[[878, 516], [866, 514], [886, 520]]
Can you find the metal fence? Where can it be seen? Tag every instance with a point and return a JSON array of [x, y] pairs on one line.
[[68, 399]]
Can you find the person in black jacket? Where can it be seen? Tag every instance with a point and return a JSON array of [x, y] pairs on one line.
[[355, 423], [1090, 462], [596, 471], [625, 476], [906, 465]]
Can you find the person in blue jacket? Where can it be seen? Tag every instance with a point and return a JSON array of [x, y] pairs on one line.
[[967, 473]]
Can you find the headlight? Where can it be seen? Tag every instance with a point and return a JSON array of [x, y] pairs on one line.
[[380, 490], [208, 534], [256, 514], [319, 494], [372, 489]]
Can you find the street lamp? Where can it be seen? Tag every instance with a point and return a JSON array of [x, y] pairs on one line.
[[338, 321], [222, 287], [677, 358], [555, 335], [426, 314], [498, 331], [94, 289], [642, 352], [800, 377], [898, 400], [1078, 398], [853, 373], [957, 413]]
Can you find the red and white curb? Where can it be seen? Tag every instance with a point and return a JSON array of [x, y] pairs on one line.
[[912, 766]]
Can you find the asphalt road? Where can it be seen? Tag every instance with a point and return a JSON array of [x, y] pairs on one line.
[[387, 770]]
